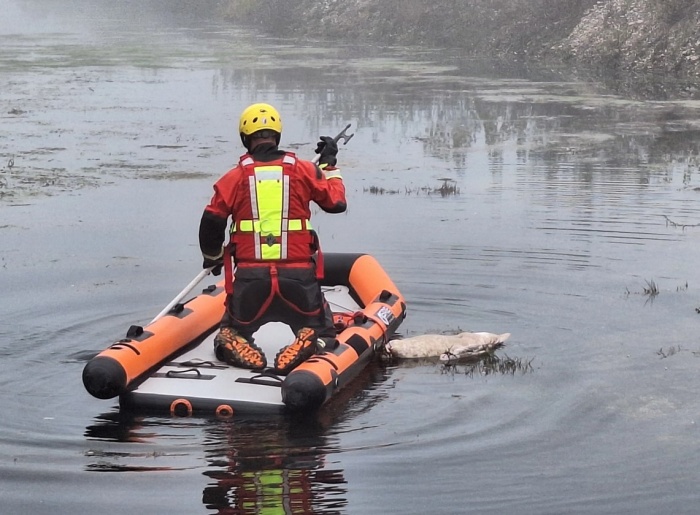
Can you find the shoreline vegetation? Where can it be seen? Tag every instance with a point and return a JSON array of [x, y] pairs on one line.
[[639, 48]]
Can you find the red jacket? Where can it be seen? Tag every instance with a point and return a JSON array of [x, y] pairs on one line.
[[232, 198]]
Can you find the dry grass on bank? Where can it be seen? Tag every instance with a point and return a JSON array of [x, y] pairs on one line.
[[642, 42]]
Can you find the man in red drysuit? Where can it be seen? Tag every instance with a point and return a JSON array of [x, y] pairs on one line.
[[272, 244]]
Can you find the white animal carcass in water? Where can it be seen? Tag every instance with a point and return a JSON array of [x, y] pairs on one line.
[[447, 347]]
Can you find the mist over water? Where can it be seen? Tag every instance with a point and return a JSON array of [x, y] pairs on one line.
[[568, 203], [28, 17], [24, 17], [12, 17]]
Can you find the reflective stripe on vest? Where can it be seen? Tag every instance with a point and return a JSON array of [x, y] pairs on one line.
[[269, 199]]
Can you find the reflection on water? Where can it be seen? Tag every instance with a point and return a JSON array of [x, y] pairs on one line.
[[127, 88], [257, 469], [279, 464]]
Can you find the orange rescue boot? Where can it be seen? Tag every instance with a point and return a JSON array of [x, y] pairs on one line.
[[235, 350], [294, 354]]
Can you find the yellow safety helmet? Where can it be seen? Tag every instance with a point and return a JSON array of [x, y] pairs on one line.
[[258, 117]]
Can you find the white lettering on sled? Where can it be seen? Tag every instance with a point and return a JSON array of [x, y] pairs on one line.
[[385, 315]]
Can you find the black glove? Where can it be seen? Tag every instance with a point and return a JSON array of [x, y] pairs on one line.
[[328, 148], [217, 265]]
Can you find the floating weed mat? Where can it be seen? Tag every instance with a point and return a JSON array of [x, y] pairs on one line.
[[17, 184], [665, 353], [491, 364], [448, 188], [673, 350], [671, 223]]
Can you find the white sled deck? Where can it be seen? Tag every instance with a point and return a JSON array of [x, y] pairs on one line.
[[198, 381]]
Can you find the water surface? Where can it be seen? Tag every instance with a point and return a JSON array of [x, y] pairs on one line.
[[570, 222]]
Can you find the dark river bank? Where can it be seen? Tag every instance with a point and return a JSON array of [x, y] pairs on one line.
[[571, 221]]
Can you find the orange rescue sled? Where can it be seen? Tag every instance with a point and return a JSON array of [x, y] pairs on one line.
[[170, 364]]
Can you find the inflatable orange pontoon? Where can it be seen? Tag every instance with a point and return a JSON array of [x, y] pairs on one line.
[[169, 365]]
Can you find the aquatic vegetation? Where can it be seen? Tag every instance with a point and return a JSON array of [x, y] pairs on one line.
[[676, 224], [378, 190], [651, 289], [491, 364], [674, 349], [448, 188]]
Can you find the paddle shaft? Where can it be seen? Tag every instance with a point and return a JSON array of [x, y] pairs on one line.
[[201, 275]]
